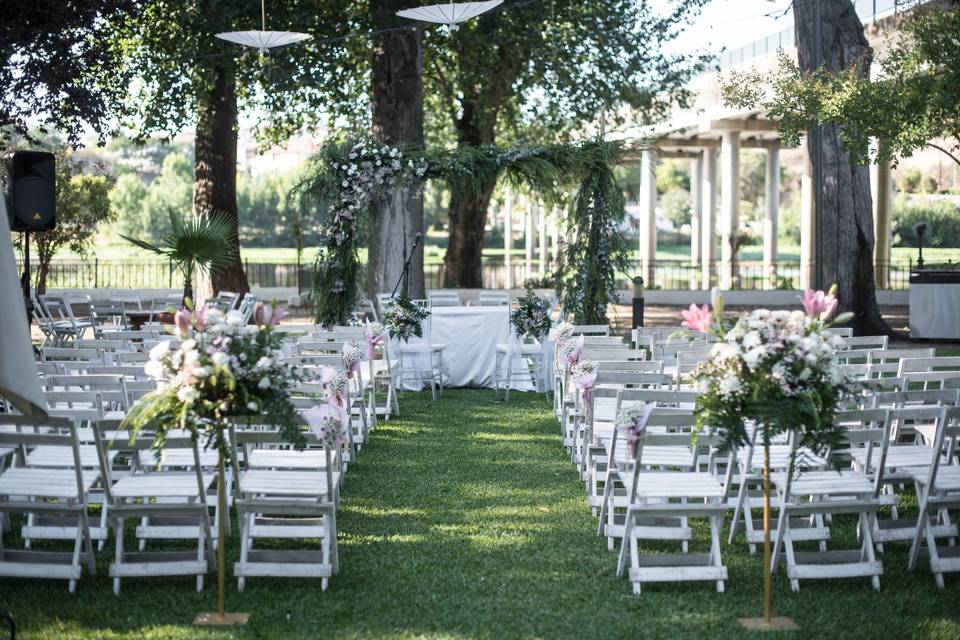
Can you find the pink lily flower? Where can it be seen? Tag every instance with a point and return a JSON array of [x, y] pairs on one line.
[[819, 304], [181, 320], [697, 319]]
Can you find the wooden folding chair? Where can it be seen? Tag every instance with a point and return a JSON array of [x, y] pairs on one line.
[[291, 496], [52, 492]]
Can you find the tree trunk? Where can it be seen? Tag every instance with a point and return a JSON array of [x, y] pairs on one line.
[[396, 96], [463, 263], [215, 177], [846, 220]]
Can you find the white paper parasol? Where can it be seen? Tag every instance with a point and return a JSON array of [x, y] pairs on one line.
[[19, 383], [264, 40], [449, 13]]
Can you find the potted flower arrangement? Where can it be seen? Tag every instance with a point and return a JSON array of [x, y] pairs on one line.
[[776, 370], [222, 369], [404, 319], [531, 316]]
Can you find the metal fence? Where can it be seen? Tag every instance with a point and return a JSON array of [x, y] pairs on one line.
[[667, 274]]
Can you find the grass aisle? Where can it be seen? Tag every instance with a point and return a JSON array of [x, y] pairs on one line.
[[464, 519]]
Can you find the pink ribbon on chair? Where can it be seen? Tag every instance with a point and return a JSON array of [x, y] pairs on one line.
[[634, 431], [372, 342], [573, 349], [585, 384]]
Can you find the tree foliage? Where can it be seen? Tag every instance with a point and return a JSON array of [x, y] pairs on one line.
[[911, 101], [58, 65]]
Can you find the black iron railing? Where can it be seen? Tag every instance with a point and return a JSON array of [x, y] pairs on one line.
[[666, 274]]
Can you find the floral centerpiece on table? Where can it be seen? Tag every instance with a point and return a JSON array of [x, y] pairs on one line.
[[222, 369], [404, 318], [531, 317]]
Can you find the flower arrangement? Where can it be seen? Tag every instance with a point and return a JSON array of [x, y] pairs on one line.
[[561, 333], [352, 357], [571, 350], [334, 385], [329, 423], [776, 368], [531, 317], [584, 375], [404, 318], [632, 422], [374, 333], [351, 180], [222, 368]]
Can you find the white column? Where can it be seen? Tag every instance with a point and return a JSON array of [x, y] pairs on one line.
[[528, 226], [772, 202], [542, 237], [648, 214], [696, 207], [729, 206], [807, 226], [708, 213], [554, 236], [881, 185], [508, 239]]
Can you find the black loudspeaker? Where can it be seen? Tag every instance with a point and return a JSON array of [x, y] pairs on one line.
[[30, 192]]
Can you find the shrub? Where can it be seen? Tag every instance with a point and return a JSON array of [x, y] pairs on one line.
[[942, 218]]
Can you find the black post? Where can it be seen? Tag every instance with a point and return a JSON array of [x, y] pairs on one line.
[[25, 279], [637, 302], [921, 229]]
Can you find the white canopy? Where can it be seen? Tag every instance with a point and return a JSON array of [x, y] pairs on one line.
[[264, 40], [19, 383], [449, 13]]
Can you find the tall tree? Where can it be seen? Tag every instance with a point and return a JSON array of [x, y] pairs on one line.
[[541, 70], [58, 66], [836, 93], [396, 100], [187, 76], [846, 207]]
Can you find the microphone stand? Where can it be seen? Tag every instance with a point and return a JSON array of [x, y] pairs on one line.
[[405, 276]]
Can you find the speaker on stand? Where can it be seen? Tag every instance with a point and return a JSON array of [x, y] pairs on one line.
[[31, 199]]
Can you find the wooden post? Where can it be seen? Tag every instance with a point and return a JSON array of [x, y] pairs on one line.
[[221, 539], [221, 618], [767, 578]]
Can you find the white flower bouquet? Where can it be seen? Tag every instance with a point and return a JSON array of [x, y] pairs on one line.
[[222, 368], [531, 317]]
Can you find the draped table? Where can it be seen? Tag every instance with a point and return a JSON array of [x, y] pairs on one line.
[[471, 336]]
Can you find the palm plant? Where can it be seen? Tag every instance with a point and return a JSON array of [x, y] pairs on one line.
[[194, 244]]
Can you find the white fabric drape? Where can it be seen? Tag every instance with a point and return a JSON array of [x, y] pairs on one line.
[[19, 383]]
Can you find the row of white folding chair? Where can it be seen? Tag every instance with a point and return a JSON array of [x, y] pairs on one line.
[[377, 370], [311, 368]]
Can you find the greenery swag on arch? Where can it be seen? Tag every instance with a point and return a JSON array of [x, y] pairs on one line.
[[348, 179]]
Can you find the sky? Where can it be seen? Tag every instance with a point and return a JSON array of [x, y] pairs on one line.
[[731, 23]]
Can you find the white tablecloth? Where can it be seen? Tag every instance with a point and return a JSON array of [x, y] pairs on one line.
[[471, 336], [935, 310]]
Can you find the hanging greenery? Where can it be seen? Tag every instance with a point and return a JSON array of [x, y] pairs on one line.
[[596, 250], [346, 181]]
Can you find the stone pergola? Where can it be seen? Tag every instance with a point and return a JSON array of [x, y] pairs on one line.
[[712, 144]]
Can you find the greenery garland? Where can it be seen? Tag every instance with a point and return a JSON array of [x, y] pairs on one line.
[[590, 260], [348, 179]]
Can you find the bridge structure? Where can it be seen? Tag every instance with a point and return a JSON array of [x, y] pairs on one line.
[[711, 136]]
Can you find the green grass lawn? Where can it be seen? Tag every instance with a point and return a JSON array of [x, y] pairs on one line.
[[465, 519]]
